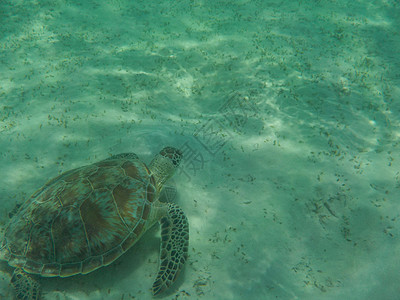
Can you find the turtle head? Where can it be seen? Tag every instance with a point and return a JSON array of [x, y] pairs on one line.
[[164, 165], [172, 154]]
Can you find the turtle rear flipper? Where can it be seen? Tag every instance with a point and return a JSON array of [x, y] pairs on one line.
[[26, 288], [174, 248]]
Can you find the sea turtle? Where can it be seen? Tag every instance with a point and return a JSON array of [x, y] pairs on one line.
[[88, 217]]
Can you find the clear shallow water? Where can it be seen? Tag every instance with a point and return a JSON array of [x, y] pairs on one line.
[[288, 113]]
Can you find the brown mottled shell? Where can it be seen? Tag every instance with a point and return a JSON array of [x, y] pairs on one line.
[[81, 220]]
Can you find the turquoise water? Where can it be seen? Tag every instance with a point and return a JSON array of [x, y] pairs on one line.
[[288, 114]]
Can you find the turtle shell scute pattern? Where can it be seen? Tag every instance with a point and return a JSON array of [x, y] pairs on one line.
[[81, 220]]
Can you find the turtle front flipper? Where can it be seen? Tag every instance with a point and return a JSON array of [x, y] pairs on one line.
[[174, 248], [26, 288]]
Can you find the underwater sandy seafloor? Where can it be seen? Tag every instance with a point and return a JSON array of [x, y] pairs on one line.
[[287, 112]]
